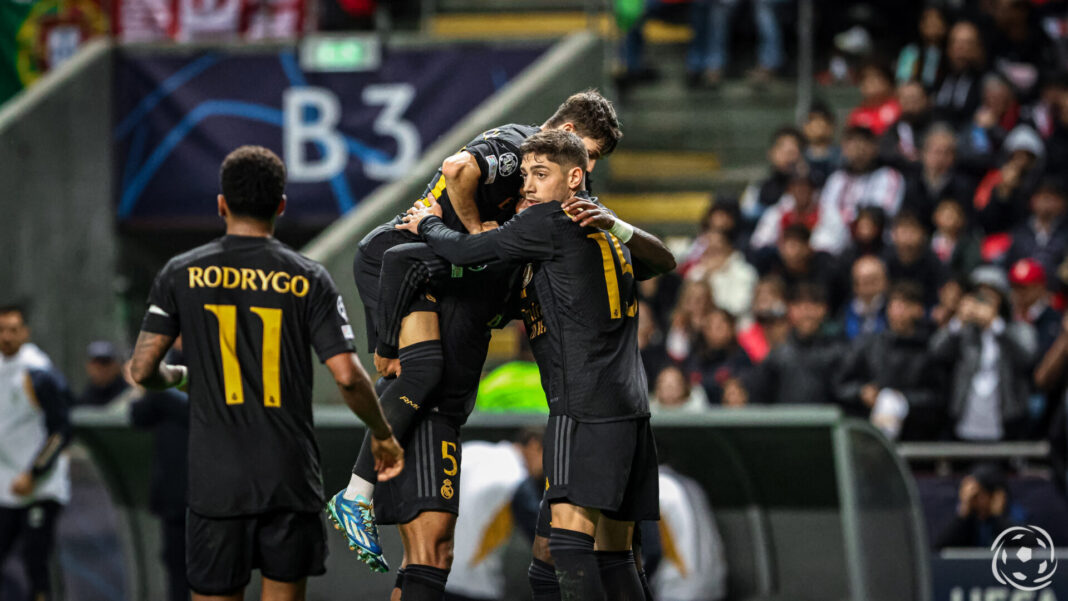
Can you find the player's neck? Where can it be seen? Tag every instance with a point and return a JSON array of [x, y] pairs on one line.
[[236, 226]]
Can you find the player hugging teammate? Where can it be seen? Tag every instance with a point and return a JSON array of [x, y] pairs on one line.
[[574, 285]]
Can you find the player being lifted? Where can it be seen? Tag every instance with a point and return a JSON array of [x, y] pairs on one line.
[[248, 308], [477, 187], [580, 312]]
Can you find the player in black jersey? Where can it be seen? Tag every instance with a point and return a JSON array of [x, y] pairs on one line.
[[248, 308], [475, 188], [580, 312]]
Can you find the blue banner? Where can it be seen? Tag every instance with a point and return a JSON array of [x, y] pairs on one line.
[[341, 134]]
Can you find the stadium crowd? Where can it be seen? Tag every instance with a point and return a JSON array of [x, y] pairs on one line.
[[912, 269]]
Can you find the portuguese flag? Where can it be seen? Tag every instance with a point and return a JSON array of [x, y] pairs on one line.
[[38, 35]]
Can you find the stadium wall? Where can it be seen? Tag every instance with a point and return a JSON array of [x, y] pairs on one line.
[[58, 227], [572, 64]]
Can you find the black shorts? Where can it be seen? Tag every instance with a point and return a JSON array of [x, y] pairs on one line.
[[367, 267], [430, 480], [222, 552], [610, 466]]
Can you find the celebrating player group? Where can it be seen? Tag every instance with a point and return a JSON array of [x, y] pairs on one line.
[[506, 229]]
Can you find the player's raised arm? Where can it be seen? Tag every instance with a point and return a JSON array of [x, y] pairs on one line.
[[651, 256], [359, 394], [462, 176]]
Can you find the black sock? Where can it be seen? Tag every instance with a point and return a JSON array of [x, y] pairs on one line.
[[424, 583], [576, 566], [645, 585], [399, 582], [543, 584], [620, 576], [421, 366]]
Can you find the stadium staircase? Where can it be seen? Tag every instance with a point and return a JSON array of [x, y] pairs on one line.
[[681, 145]]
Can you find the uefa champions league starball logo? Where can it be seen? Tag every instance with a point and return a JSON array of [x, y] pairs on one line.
[[1023, 558]]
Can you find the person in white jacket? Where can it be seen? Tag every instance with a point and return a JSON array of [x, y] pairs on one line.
[[727, 273], [694, 565]]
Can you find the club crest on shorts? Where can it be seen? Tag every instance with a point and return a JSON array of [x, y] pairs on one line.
[[508, 163], [446, 489]]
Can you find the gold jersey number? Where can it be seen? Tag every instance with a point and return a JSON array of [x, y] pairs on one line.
[[608, 243], [271, 359]]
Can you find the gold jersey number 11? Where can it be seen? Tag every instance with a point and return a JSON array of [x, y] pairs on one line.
[[272, 353]]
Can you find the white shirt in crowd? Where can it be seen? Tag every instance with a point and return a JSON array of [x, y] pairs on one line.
[[845, 194], [694, 565], [23, 433], [981, 417], [491, 474]]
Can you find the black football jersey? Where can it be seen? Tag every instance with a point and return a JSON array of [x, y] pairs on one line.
[[497, 153], [580, 307], [249, 309]]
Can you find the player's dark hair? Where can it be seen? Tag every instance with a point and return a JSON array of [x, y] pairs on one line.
[[561, 147], [593, 116], [807, 292], [253, 180], [906, 290]]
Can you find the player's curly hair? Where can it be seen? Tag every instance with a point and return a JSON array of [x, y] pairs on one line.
[[593, 116], [253, 180], [561, 147]]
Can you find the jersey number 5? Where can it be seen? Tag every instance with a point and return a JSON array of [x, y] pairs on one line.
[[607, 242], [272, 355]]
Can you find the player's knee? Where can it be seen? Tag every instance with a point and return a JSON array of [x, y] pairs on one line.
[[541, 549], [422, 362]]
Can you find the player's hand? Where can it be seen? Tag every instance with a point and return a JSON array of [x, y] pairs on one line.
[[389, 457], [588, 214], [415, 215], [387, 368], [22, 485]]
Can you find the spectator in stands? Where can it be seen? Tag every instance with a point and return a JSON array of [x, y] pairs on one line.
[[695, 301], [104, 369], [673, 393], [859, 183], [650, 343], [726, 272], [937, 177], [1020, 50], [990, 359], [879, 107], [1051, 120], [34, 472], [949, 297], [795, 261], [865, 312], [768, 326], [821, 153], [1043, 236], [911, 258], [696, 568], [953, 242], [982, 512], [634, 68], [716, 357], [997, 115], [166, 414], [769, 51], [1031, 302], [958, 93], [1001, 200], [787, 146], [923, 60], [801, 369], [888, 376], [798, 205], [1051, 377], [900, 145], [661, 294], [723, 215]]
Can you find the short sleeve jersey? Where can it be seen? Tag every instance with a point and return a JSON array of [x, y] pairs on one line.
[[497, 153], [249, 310]]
